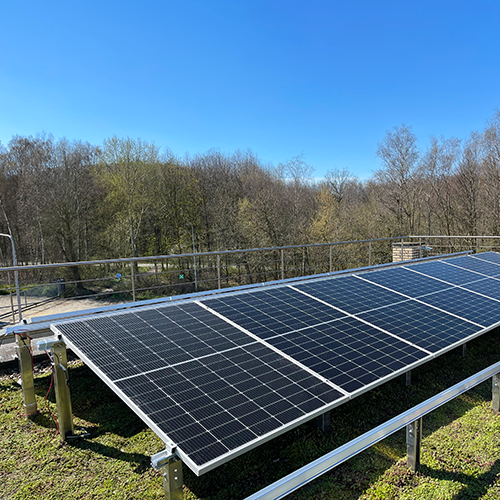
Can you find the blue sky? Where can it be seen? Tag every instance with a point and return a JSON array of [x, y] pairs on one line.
[[322, 78]]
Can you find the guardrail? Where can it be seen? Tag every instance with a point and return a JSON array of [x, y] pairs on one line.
[[129, 279]]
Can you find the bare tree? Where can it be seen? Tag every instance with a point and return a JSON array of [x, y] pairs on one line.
[[492, 174], [438, 170], [468, 182], [297, 174], [400, 176], [341, 183]]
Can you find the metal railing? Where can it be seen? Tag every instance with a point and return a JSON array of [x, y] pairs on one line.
[[129, 279]]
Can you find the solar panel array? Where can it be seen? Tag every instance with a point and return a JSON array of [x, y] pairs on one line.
[[217, 376]]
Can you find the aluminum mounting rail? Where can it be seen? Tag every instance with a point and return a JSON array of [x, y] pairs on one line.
[[313, 470]]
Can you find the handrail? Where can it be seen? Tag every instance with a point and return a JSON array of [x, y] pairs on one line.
[[197, 254]]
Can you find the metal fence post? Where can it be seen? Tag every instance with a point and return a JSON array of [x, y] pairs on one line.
[[11, 300], [282, 264], [132, 275], [369, 253], [218, 270], [331, 258]]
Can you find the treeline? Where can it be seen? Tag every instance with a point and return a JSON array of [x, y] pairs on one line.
[[70, 201]]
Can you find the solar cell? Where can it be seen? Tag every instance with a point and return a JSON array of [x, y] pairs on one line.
[[350, 294], [400, 280]]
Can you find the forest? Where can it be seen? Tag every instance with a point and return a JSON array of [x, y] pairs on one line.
[[70, 200]]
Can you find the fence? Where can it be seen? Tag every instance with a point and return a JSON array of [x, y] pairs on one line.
[[131, 279]]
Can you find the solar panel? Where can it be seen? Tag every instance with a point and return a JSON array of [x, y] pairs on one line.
[[268, 313], [490, 287], [350, 294], [478, 265], [219, 375], [211, 407], [422, 325], [348, 352], [404, 281], [488, 256], [446, 272], [483, 311]]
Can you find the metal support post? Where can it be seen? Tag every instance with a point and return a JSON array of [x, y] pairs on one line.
[[414, 444], [463, 349], [495, 392], [324, 421], [63, 397], [132, 274], [406, 378], [172, 479], [420, 248], [26, 368], [331, 258], [369, 254]]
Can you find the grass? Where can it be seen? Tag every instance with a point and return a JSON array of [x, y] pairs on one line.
[[460, 458]]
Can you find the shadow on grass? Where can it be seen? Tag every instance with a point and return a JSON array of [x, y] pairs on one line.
[[142, 461], [474, 487], [93, 402]]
